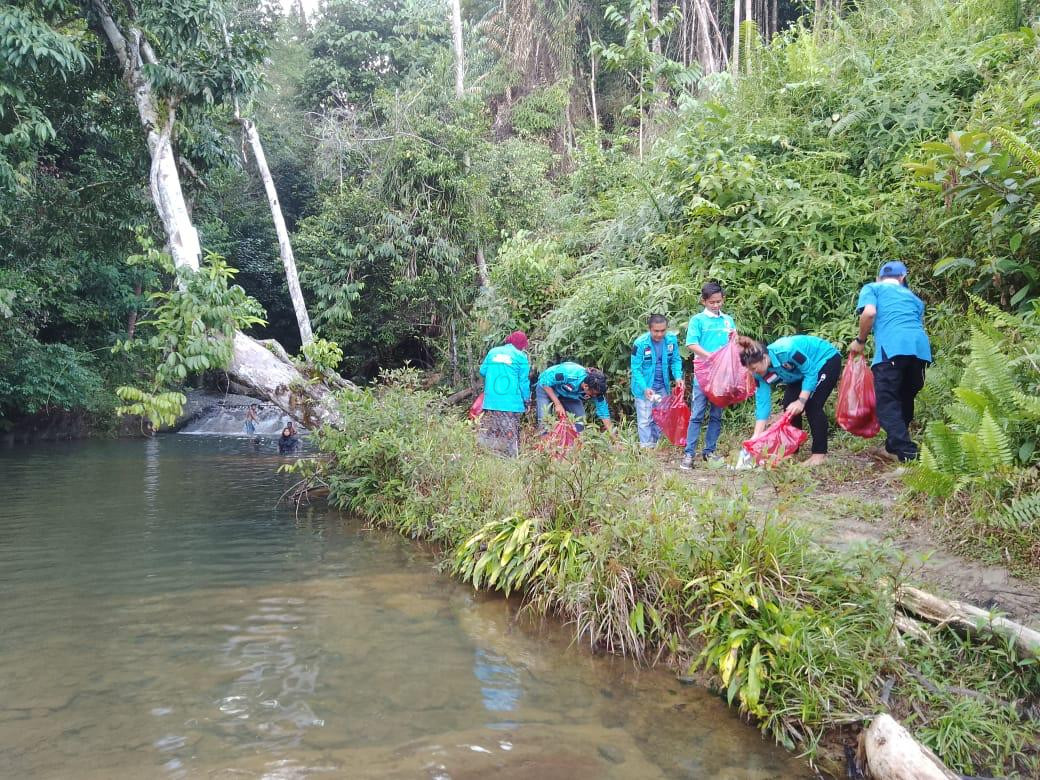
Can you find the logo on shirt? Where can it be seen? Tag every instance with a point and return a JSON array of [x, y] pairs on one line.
[[503, 358], [771, 378]]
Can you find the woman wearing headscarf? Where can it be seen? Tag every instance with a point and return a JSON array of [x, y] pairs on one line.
[[507, 392]]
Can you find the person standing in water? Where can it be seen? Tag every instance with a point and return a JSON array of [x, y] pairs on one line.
[[251, 419], [288, 442]]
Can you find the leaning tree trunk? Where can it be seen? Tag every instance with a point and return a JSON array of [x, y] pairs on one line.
[[265, 370], [284, 245]]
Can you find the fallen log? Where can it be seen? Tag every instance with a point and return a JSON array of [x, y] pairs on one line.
[[457, 398], [889, 753], [968, 618], [268, 373]]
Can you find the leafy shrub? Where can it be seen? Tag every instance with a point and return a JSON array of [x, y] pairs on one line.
[[541, 112]]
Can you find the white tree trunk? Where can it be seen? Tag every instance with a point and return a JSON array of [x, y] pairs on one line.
[[254, 365], [735, 62], [892, 754], [456, 37], [284, 246], [133, 51]]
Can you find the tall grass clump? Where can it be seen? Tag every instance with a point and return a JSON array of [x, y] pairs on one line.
[[641, 562]]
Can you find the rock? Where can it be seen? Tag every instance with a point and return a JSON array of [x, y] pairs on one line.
[[612, 754]]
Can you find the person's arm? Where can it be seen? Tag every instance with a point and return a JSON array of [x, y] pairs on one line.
[[810, 378], [524, 378], [639, 388], [677, 367], [484, 365], [693, 339], [551, 395], [603, 413], [866, 324], [763, 402]]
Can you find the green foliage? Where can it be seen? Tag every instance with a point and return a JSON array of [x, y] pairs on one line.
[[542, 111], [37, 44], [325, 356], [192, 331], [605, 311], [982, 456]]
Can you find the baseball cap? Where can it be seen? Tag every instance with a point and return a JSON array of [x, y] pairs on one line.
[[892, 268]]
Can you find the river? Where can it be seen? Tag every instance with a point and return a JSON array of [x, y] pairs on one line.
[[163, 616]]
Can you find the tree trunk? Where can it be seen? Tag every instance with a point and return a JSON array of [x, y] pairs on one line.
[[456, 37], [735, 62], [890, 753], [284, 245], [254, 365], [970, 619]]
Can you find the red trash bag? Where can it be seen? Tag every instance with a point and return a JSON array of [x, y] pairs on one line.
[[857, 403], [722, 379], [561, 438], [672, 416], [477, 408], [780, 440]]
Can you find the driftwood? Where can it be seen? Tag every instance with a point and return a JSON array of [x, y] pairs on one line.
[[968, 618], [888, 752], [907, 625]]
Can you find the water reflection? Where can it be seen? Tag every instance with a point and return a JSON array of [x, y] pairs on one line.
[[188, 627]]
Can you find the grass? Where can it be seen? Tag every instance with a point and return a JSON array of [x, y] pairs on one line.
[[645, 562]]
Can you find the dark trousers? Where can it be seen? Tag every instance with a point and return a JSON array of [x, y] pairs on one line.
[[818, 426], [897, 381]]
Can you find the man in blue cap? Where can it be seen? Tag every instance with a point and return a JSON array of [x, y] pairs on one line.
[[901, 352]]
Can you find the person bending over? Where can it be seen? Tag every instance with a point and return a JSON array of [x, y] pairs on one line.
[[566, 387], [808, 367]]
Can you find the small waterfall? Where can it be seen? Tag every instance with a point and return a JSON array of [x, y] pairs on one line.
[[227, 419]]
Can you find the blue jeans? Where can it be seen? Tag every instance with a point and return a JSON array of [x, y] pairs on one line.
[[574, 407], [699, 403], [649, 433]]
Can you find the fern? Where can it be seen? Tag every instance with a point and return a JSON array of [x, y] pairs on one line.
[[993, 446], [1019, 148], [1021, 514]]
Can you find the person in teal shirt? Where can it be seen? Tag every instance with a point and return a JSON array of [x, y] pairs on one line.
[[708, 332], [566, 387], [902, 352], [808, 367], [507, 392], [655, 364]]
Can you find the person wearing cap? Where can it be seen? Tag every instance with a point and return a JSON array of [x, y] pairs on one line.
[[888, 309], [808, 367], [655, 364], [507, 392], [566, 387]]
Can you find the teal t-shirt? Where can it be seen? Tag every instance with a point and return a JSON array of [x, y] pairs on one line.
[[708, 332], [899, 323], [798, 358]]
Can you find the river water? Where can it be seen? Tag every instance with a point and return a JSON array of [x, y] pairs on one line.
[[162, 616]]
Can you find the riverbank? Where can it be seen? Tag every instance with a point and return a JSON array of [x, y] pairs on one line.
[[731, 589]]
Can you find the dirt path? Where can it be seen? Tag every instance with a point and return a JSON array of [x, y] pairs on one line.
[[855, 500]]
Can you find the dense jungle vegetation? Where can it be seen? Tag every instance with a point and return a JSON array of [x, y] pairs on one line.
[[566, 168], [586, 165]]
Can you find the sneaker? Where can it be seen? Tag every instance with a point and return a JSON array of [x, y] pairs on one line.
[[686, 463], [708, 457]]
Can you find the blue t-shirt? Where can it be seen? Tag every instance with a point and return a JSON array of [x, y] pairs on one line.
[[899, 323], [659, 384]]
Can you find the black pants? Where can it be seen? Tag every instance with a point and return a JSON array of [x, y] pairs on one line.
[[818, 426], [897, 381]]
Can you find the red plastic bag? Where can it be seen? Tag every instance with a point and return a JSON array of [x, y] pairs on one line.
[[561, 438], [857, 403], [477, 408], [780, 440], [722, 379], [672, 416]]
